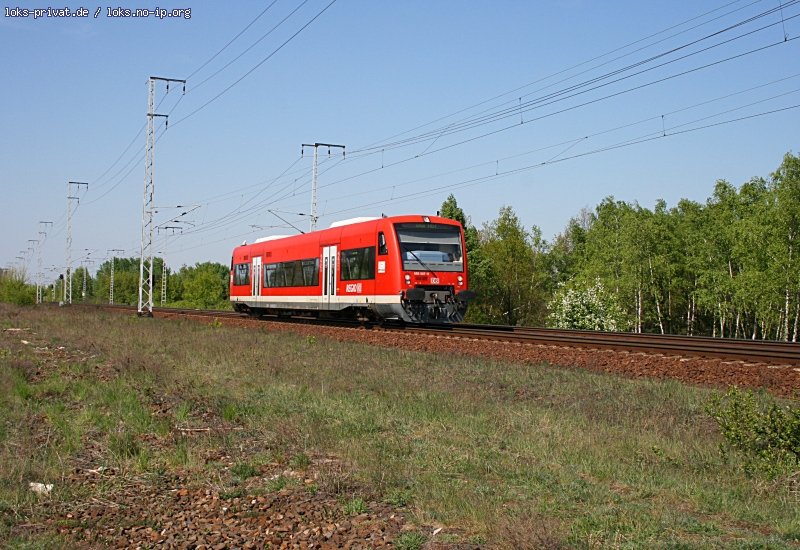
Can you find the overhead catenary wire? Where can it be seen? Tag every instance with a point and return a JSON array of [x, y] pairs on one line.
[[628, 143], [584, 86], [569, 143], [501, 175], [581, 64], [100, 185], [257, 65], [231, 41], [253, 45], [354, 155], [338, 163], [551, 114]]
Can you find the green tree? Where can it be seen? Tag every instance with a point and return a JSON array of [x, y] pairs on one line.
[[478, 268], [785, 186], [513, 289], [204, 285]]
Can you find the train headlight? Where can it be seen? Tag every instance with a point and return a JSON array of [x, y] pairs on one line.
[[408, 279], [460, 280]]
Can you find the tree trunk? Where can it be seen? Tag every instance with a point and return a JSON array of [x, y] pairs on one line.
[[786, 302], [714, 325], [655, 294], [639, 306]]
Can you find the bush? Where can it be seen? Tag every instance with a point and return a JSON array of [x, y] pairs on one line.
[[591, 308], [14, 290], [766, 434]]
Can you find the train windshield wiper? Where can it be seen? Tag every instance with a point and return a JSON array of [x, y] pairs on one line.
[[423, 264]]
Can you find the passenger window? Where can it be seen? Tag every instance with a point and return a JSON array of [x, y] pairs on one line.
[[358, 264], [382, 248], [241, 274]]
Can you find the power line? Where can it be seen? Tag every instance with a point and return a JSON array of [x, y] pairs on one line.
[[253, 45], [562, 94], [231, 41], [581, 64], [264, 60], [627, 143], [561, 111], [569, 144]]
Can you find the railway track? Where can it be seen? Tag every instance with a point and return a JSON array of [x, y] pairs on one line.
[[770, 352], [722, 348]]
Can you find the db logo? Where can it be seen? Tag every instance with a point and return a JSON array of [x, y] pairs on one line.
[[434, 280], [353, 287]]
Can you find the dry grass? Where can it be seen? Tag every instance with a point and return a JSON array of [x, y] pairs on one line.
[[513, 455]]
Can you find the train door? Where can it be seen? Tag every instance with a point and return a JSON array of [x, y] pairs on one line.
[[328, 275], [255, 282]]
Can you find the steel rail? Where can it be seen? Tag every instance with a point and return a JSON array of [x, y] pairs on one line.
[[701, 346]]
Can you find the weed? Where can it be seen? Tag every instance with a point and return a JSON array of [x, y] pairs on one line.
[[231, 494], [143, 461], [244, 470], [182, 412], [398, 497], [123, 444], [232, 411], [354, 506], [22, 389], [410, 541], [300, 461], [277, 483], [181, 455]]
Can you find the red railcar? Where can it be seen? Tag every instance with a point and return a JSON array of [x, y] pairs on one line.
[[411, 268]]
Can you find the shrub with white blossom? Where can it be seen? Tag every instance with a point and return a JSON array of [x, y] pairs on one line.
[[592, 308]]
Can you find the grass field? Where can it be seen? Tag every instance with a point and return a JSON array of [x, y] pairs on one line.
[[511, 456]]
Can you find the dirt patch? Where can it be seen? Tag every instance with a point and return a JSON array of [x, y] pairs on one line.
[[172, 511]]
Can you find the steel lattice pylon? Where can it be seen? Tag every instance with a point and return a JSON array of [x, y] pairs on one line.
[[314, 173], [68, 270], [146, 258]]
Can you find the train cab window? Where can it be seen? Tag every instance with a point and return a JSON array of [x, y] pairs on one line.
[[358, 264], [382, 248], [241, 274], [430, 246]]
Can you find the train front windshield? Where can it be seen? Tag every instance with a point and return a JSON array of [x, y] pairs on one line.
[[430, 247]]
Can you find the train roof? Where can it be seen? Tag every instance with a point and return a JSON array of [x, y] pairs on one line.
[[408, 218]]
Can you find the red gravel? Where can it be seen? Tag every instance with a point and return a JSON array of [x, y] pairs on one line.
[[167, 513], [780, 380]]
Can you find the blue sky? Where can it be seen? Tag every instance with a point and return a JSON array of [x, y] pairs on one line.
[[367, 74]]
